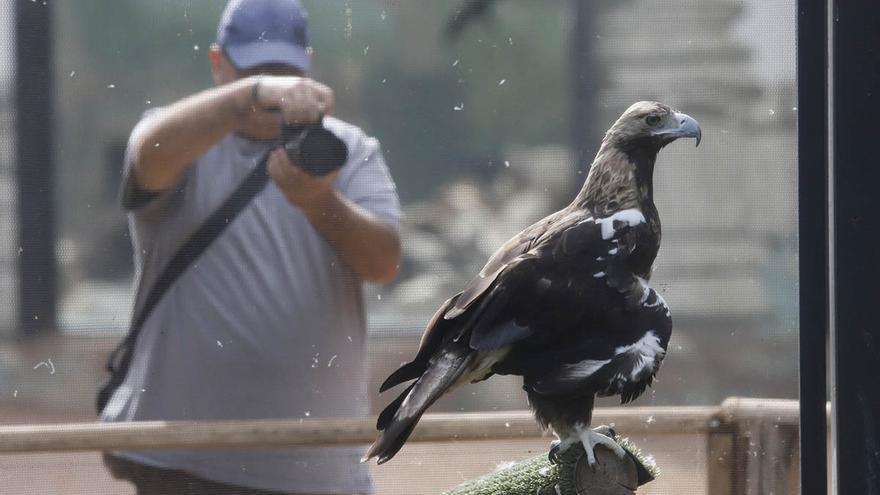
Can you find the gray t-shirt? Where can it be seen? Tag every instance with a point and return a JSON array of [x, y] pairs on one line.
[[267, 323]]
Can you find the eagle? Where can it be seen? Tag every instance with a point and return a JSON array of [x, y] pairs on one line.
[[565, 304]]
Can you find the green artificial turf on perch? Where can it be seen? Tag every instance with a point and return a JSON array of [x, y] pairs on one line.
[[570, 476]]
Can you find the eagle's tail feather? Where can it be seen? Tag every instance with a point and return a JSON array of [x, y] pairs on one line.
[[387, 414], [391, 440], [397, 421], [405, 373]]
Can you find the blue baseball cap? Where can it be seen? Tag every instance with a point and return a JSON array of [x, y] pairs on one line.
[[258, 32]]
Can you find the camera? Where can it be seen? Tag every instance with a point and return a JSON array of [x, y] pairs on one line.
[[314, 148]]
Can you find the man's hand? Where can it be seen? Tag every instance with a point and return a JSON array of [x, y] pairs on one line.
[[361, 240], [275, 100], [298, 100], [299, 187], [256, 106]]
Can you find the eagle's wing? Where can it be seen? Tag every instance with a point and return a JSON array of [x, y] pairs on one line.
[[449, 319], [485, 310], [514, 248], [595, 249], [431, 340]]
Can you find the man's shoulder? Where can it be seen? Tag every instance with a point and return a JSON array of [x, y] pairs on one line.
[[150, 112]]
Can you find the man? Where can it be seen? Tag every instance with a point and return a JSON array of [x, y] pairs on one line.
[[269, 321]]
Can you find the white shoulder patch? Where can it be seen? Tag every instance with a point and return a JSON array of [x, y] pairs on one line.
[[630, 217]]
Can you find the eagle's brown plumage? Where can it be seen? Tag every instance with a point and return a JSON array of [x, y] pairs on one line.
[[564, 304]]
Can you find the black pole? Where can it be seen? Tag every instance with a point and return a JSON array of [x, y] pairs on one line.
[[36, 222], [583, 133], [856, 172], [813, 241]]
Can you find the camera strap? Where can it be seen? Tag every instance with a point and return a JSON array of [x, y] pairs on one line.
[[120, 360]]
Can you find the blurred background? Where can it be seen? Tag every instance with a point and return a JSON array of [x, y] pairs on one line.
[[489, 114]]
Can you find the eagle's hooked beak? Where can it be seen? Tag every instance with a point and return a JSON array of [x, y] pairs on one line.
[[681, 125]]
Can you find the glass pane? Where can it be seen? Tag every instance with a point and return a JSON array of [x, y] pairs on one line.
[[475, 106]]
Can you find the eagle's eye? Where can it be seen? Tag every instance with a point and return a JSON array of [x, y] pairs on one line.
[[652, 120]]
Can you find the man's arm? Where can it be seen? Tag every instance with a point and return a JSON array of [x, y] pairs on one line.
[[369, 246], [175, 137]]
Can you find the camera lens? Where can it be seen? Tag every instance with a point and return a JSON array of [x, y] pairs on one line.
[[314, 148]]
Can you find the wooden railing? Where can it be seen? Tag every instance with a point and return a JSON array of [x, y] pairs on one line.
[[752, 444], [754, 447]]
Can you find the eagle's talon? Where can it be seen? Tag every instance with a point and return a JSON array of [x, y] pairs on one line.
[[591, 438], [555, 451], [606, 430]]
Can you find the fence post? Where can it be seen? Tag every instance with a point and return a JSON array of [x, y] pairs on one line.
[[720, 462], [753, 448]]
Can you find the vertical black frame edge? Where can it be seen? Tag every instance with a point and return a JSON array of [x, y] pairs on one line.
[[855, 82], [812, 57]]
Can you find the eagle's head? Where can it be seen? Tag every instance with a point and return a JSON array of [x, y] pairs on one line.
[[621, 176], [650, 124]]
